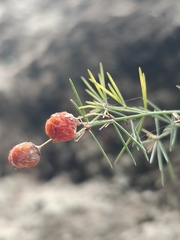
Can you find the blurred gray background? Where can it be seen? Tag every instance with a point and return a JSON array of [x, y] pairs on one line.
[[72, 193]]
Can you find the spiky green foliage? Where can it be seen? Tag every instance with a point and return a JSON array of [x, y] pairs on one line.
[[100, 113]]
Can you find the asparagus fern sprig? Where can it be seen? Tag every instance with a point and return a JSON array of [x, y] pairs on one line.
[[100, 113]]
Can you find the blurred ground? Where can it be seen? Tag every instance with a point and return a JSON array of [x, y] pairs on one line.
[[96, 209], [73, 194]]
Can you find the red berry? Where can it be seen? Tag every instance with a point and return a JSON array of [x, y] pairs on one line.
[[24, 155], [61, 127]]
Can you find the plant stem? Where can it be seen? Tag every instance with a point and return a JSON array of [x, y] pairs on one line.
[[135, 116], [43, 144]]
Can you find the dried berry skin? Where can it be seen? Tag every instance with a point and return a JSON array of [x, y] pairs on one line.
[[61, 127], [24, 155]]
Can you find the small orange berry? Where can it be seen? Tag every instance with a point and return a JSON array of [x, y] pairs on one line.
[[24, 155], [61, 127]]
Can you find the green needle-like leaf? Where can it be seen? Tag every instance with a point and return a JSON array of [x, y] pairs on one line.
[[133, 131], [137, 137], [113, 91], [160, 164], [124, 143], [116, 90], [130, 136], [171, 173], [170, 170], [153, 152], [157, 126], [91, 91], [102, 150], [122, 151], [117, 113], [143, 87], [102, 79], [82, 112], [94, 96], [97, 85], [140, 125], [173, 135], [79, 110], [163, 151]]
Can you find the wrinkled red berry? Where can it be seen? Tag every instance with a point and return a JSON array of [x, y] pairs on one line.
[[61, 127], [24, 155]]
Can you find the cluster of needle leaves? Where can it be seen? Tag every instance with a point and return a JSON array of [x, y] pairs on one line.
[[99, 112]]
